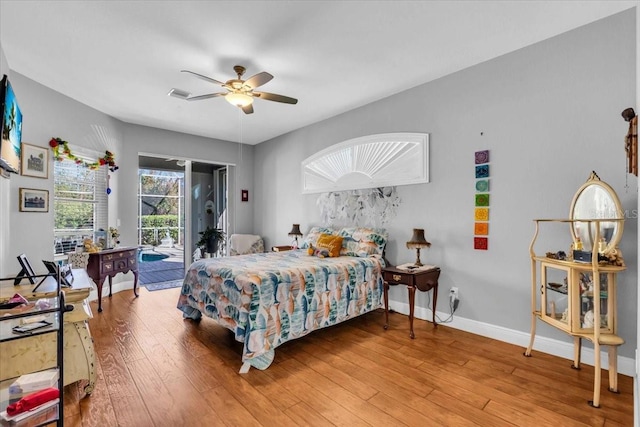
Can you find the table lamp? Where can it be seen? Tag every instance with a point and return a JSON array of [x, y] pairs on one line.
[[295, 232], [418, 242]]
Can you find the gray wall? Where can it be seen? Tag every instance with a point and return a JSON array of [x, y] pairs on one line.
[[48, 114], [548, 113], [141, 139]]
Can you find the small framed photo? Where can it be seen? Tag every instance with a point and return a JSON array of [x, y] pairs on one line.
[[244, 195], [35, 161], [32, 200]]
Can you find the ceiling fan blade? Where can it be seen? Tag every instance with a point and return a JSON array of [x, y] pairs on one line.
[[275, 97], [207, 96], [258, 80], [209, 79], [248, 109]]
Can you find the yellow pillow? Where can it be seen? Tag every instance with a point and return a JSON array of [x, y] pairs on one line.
[[331, 243]]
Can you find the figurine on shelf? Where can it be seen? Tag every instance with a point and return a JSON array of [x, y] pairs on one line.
[[614, 257], [587, 322]]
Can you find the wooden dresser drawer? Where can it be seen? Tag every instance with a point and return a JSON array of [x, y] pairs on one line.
[[106, 267], [398, 278]]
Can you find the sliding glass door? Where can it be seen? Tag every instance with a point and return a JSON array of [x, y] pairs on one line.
[[177, 200]]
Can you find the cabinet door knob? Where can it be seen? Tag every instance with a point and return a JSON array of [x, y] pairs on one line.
[[397, 277]]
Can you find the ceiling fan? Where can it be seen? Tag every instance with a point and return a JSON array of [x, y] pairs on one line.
[[239, 92]]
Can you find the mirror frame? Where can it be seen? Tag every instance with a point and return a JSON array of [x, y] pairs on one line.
[[594, 180]]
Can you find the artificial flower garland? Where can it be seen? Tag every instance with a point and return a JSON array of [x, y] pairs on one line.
[[56, 143]]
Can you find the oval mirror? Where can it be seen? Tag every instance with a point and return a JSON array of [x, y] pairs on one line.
[[596, 200]]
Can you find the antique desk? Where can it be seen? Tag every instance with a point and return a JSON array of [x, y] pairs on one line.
[[108, 263], [30, 354], [423, 280]]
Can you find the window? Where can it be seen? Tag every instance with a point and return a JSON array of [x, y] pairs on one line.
[[80, 204]]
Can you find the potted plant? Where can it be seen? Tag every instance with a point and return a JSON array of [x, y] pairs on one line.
[[210, 239]]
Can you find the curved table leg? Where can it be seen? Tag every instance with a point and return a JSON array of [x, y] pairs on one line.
[[99, 285], [385, 286], [435, 304], [135, 282], [82, 329], [412, 300]]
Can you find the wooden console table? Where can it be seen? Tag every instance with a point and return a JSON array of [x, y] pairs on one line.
[[18, 357], [108, 263], [423, 280]]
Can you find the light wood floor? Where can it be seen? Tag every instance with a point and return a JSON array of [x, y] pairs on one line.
[[156, 369]]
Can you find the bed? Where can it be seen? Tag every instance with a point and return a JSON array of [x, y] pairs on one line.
[[267, 299]]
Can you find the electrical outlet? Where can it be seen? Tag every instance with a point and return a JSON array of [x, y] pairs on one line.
[[454, 299]]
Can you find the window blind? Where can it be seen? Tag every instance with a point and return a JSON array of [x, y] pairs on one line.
[[80, 204]]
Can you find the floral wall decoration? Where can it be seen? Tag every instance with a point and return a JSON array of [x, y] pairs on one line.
[[61, 150], [372, 207]]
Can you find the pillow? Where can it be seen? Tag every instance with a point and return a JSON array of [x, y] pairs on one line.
[[330, 243], [363, 242], [312, 236]]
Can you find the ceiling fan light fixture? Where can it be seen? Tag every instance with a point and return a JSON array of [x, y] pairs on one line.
[[238, 99]]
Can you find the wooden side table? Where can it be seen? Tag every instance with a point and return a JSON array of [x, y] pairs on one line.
[[108, 263], [423, 280]]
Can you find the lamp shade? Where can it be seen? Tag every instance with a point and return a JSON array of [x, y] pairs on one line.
[[238, 99], [295, 230], [417, 240]]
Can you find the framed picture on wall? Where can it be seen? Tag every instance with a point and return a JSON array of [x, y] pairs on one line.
[[33, 200], [35, 161]]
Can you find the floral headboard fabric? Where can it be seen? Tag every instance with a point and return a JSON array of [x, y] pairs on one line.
[[356, 241]]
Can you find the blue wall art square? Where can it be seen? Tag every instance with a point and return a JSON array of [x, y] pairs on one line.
[[482, 171]]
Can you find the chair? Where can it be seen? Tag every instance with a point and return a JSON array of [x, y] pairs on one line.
[[241, 244]]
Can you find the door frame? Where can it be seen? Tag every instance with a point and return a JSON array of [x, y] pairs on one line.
[[188, 226]]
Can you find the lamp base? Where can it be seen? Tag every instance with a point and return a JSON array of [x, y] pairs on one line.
[[418, 263]]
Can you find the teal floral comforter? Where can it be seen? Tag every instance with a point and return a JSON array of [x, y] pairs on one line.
[[267, 299]]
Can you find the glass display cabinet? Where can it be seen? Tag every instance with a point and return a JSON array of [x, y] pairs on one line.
[[576, 291]]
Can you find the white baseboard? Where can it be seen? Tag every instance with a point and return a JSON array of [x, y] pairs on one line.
[[626, 365]]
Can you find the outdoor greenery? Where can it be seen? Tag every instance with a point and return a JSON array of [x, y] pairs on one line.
[[160, 206], [161, 223]]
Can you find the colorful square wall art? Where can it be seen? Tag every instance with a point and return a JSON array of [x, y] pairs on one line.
[[481, 229], [482, 185], [482, 200], [481, 243], [482, 157], [482, 214], [482, 171]]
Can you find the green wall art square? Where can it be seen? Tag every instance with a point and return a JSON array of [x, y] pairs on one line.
[[482, 200]]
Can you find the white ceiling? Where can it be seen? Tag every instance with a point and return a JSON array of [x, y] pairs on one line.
[[123, 57]]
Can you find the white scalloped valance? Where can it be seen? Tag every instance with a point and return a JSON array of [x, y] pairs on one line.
[[372, 161]]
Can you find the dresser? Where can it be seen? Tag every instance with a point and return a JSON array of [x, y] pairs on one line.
[[18, 357], [109, 262]]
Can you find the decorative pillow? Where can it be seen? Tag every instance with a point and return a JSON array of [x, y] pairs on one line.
[[312, 236], [331, 243], [363, 242]]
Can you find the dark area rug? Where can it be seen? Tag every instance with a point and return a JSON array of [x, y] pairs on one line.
[[163, 285]]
